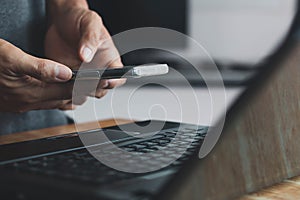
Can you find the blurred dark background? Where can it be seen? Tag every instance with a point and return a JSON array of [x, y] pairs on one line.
[[122, 15], [236, 34]]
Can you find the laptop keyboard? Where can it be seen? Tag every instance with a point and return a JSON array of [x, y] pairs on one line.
[[80, 165]]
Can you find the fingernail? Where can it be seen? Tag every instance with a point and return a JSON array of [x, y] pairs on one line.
[[87, 54], [117, 82], [105, 84], [73, 107], [62, 73]]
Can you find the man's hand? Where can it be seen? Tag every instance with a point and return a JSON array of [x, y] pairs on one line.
[[75, 35], [30, 83]]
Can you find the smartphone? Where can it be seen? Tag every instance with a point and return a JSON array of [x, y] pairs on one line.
[[125, 72]]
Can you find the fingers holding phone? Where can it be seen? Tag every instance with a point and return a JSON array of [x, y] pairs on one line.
[[31, 83]]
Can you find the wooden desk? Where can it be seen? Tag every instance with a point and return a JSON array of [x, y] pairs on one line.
[[59, 130], [287, 190]]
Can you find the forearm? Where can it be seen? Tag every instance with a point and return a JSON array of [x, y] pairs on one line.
[[57, 7]]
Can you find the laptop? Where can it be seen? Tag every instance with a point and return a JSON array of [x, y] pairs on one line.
[[251, 153]]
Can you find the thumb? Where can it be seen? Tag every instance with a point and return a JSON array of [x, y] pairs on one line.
[[45, 70], [90, 28], [20, 63]]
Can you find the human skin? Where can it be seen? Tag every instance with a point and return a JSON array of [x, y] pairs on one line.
[[74, 35]]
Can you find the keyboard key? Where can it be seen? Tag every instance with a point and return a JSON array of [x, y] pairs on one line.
[[137, 146], [129, 149]]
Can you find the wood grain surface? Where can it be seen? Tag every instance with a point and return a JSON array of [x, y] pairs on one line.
[[258, 148], [287, 190], [59, 130]]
